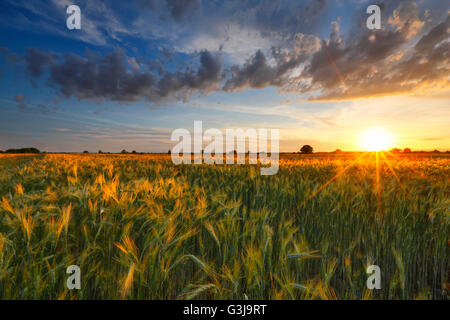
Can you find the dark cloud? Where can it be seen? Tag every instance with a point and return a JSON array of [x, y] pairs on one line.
[[279, 19], [434, 36], [378, 63], [99, 78], [178, 8], [36, 61], [207, 78], [340, 66], [109, 78], [14, 58], [315, 7], [156, 66], [257, 72], [167, 53], [150, 4]]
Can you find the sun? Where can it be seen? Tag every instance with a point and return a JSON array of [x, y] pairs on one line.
[[376, 139]]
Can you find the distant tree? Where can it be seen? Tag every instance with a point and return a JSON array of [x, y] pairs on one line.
[[337, 151], [407, 150], [85, 151], [396, 150], [23, 150], [134, 152], [436, 151], [169, 152], [123, 151], [307, 149], [1, 151], [100, 151]]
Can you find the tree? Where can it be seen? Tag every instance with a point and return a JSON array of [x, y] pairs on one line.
[[100, 151], [134, 152], [23, 150], [123, 151], [396, 150], [85, 151], [407, 150], [307, 149]]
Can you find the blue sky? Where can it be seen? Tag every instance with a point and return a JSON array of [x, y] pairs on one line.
[[137, 70]]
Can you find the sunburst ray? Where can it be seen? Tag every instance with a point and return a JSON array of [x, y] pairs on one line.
[[334, 178], [394, 173]]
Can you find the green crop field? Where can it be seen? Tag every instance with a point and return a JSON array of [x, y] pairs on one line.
[[140, 227]]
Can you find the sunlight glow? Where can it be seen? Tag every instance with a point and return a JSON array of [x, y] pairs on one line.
[[376, 139]]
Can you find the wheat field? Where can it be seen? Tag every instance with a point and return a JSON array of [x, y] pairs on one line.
[[140, 227]]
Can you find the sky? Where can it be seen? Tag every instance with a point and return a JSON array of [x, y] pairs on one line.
[[138, 70]]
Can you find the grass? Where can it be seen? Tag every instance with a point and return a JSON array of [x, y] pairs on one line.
[[141, 228]]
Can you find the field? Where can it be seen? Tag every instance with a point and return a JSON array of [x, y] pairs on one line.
[[140, 227]]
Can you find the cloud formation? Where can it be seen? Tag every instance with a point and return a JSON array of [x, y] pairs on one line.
[[409, 54], [178, 8], [378, 63], [36, 61], [406, 19], [116, 77]]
